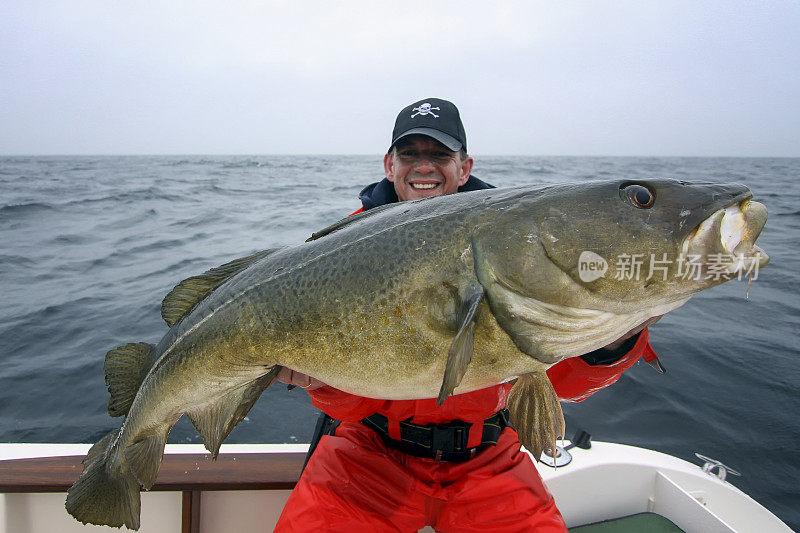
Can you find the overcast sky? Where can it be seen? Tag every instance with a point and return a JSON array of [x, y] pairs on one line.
[[535, 78]]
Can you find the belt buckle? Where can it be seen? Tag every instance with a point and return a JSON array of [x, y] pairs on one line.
[[450, 439]]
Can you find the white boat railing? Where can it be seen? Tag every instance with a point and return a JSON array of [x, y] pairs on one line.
[[247, 487]]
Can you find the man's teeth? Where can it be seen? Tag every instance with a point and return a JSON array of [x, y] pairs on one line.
[[424, 185]]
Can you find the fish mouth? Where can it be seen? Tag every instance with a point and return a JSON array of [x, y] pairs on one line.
[[725, 240]]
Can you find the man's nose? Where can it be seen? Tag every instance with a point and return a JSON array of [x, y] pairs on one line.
[[425, 166]]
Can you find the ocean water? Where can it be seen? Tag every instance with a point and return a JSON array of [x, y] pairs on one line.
[[90, 245]]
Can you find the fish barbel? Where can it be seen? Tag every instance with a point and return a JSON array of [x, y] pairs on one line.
[[415, 300]]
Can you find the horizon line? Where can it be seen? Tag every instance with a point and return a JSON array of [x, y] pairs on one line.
[[321, 154]]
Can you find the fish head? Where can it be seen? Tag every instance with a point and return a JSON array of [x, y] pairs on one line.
[[601, 257]]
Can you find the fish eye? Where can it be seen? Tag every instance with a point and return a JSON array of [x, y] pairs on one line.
[[638, 195]]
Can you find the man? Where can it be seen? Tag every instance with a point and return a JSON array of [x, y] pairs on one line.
[[400, 465]]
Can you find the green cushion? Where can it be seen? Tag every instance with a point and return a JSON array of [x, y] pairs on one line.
[[650, 522]]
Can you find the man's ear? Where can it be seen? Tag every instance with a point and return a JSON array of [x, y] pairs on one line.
[[388, 166], [466, 170]]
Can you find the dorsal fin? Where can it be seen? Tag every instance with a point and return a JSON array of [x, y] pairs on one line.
[[125, 369], [190, 291], [348, 220]]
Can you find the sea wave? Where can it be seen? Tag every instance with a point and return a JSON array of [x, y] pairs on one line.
[[25, 208], [89, 247]]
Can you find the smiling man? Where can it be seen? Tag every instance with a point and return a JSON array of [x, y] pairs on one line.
[[427, 157], [398, 465]]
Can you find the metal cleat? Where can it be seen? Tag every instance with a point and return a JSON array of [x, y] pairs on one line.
[[711, 464]]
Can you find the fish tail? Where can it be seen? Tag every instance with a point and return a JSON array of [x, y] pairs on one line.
[[107, 492], [536, 413]]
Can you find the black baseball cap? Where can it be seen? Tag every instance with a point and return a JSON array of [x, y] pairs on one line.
[[435, 118]]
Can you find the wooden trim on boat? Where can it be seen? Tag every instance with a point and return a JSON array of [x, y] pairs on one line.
[[233, 471], [190, 511], [189, 473]]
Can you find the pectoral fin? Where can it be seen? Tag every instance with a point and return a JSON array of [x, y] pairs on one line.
[[190, 291], [460, 353], [215, 421], [536, 413]]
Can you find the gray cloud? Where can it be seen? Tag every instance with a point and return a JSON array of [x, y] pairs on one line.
[[606, 78]]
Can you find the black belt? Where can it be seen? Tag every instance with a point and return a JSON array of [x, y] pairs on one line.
[[443, 442]]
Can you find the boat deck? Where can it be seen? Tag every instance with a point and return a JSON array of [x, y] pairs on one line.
[[248, 485]]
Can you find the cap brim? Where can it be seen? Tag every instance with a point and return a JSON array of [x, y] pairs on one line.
[[447, 140]]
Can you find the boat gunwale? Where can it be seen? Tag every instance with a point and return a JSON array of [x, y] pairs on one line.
[[179, 472]]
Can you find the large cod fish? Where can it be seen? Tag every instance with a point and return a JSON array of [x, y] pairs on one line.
[[421, 299]]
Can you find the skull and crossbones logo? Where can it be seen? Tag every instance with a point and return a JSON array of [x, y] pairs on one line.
[[425, 109]]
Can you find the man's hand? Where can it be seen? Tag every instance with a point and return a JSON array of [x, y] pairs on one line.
[[296, 379], [617, 343]]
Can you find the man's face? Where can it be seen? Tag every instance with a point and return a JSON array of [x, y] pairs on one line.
[[420, 167]]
